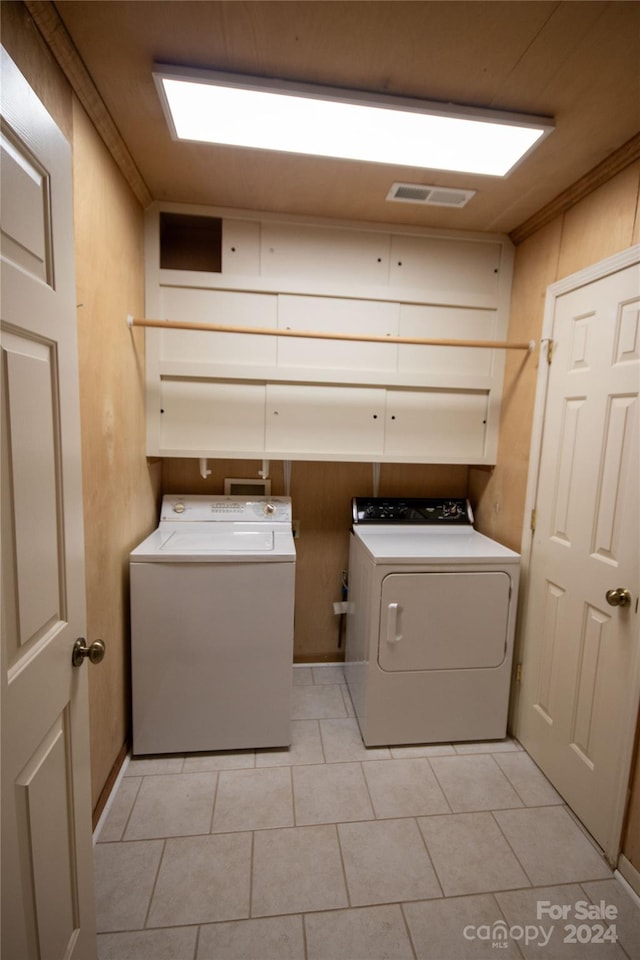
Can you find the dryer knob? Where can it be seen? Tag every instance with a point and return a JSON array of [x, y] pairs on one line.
[[269, 509], [178, 508]]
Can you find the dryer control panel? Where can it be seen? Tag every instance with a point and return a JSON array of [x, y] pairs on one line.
[[412, 510]]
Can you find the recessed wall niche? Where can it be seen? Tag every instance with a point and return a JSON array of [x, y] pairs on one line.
[[190, 242]]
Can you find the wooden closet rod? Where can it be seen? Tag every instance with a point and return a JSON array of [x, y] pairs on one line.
[[325, 335]]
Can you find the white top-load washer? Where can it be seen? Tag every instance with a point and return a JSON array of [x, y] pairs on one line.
[[212, 602], [432, 606]]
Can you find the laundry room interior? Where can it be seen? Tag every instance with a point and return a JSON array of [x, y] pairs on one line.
[[145, 208]]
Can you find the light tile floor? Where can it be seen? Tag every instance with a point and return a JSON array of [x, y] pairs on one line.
[[331, 851]]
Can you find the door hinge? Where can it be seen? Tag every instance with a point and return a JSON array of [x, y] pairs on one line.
[[518, 672], [534, 519], [550, 349]]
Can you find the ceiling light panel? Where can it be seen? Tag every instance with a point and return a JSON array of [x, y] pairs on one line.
[[247, 112]]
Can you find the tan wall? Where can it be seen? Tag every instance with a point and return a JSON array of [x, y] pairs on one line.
[[604, 223], [119, 495], [321, 495]]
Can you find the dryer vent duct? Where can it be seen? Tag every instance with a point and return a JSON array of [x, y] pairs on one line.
[[429, 196]]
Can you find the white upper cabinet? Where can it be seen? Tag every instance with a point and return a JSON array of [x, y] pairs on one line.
[[341, 316], [446, 323], [322, 420], [241, 247], [463, 272], [280, 395], [450, 424], [223, 307], [210, 416], [334, 255]]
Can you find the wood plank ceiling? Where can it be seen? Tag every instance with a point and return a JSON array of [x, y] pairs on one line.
[[575, 61]]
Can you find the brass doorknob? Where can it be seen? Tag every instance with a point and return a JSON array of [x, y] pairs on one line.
[[81, 651], [618, 597]]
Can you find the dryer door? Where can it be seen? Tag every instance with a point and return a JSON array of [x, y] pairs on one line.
[[444, 621]]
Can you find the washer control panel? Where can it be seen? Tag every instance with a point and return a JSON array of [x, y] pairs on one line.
[[201, 509]]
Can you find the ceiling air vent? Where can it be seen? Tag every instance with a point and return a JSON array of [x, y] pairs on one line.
[[429, 196]]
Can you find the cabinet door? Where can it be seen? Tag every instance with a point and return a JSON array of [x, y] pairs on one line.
[[337, 315], [446, 323], [241, 247], [345, 421], [461, 272], [439, 424], [224, 307], [201, 417], [324, 254]]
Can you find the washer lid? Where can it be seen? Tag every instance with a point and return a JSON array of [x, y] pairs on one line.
[[217, 542], [206, 541], [410, 544]]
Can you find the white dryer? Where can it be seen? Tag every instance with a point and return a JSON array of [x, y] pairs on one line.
[[212, 602], [430, 630]]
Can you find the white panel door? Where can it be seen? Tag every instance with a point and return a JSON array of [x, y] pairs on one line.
[[47, 869], [579, 699]]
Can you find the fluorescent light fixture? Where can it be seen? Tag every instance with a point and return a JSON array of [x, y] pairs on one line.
[[234, 110]]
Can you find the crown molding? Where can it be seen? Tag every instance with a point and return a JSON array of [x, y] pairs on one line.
[[617, 161], [55, 35]]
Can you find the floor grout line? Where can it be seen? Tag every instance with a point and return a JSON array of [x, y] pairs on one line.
[[154, 885]]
